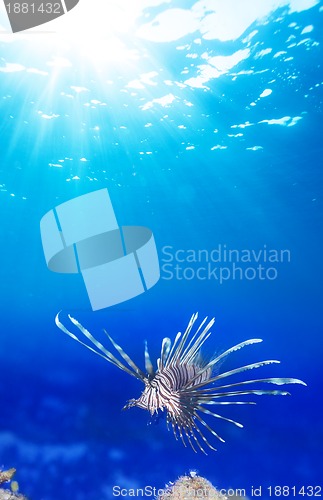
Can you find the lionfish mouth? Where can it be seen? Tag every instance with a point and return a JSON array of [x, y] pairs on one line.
[[130, 404], [183, 384]]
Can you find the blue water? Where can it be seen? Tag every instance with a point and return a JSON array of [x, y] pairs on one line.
[[186, 146]]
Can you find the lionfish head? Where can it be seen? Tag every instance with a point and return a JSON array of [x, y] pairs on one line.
[[144, 401]]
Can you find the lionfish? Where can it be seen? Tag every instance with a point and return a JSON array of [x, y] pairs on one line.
[[184, 382]]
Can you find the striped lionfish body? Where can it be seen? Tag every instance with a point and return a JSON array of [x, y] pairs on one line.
[[184, 383]]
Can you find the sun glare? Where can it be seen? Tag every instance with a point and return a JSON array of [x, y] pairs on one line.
[[99, 30], [96, 29]]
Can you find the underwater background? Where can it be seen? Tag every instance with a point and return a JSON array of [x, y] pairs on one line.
[[203, 119]]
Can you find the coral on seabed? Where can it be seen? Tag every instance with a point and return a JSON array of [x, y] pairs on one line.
[[6, 476], [193, 487], [8, 495]]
